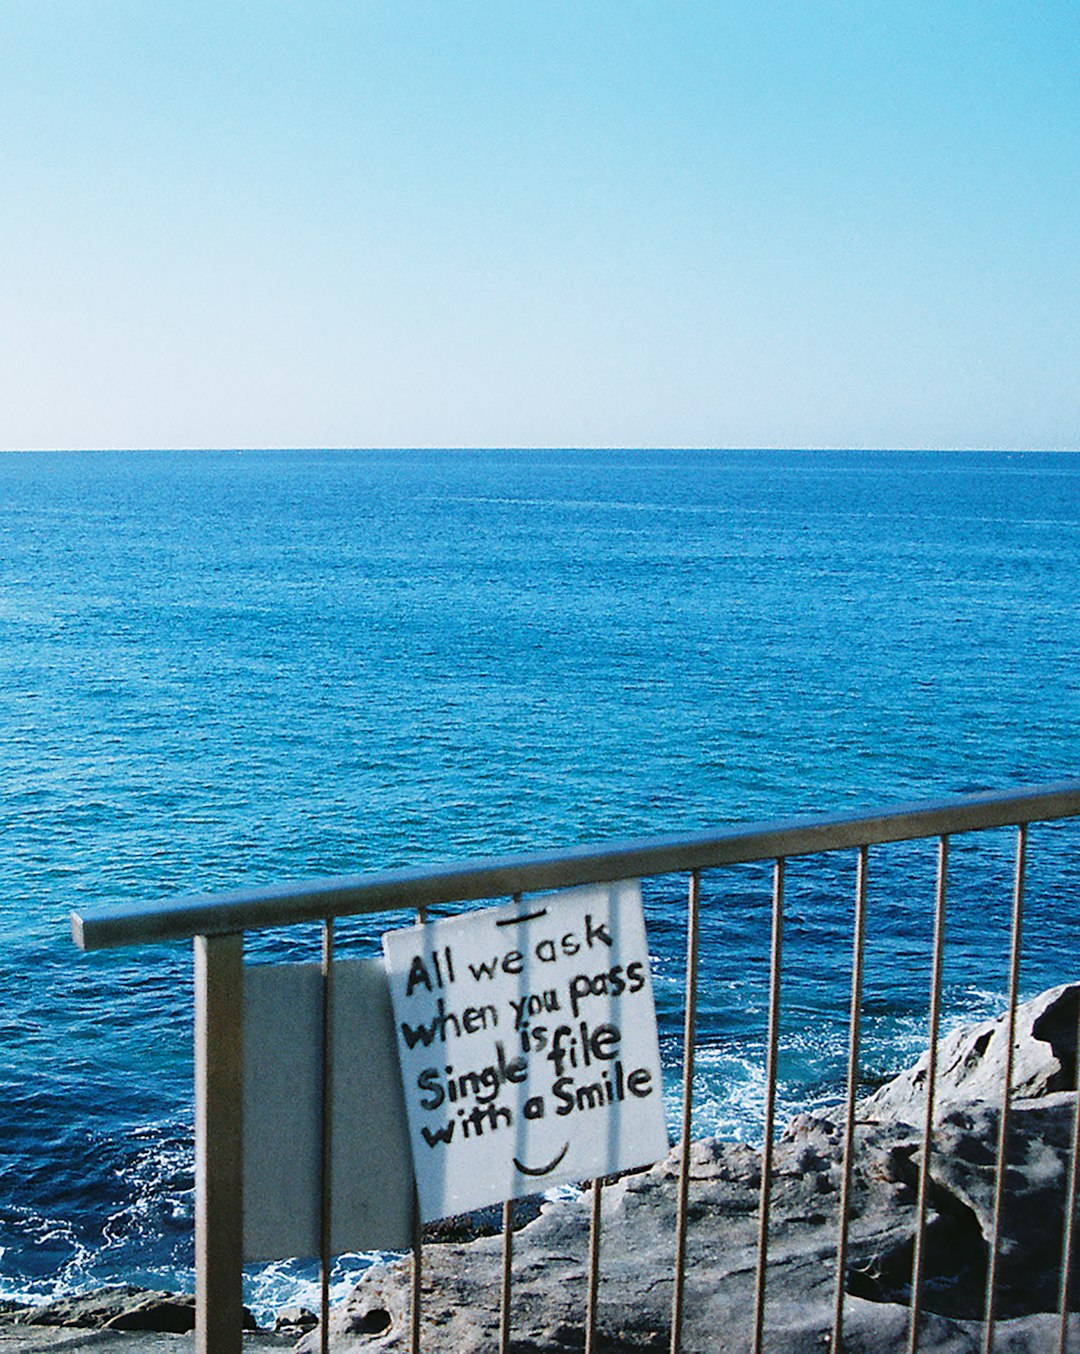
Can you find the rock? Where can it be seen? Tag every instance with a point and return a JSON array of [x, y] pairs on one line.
[[968, 1096], [161, 1312], [971, 1063], [91, 1310], [294, 1321], [482, 1221], [120, 1308], [461, 1280]]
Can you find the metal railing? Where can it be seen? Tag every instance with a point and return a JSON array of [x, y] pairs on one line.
[[217, 923]]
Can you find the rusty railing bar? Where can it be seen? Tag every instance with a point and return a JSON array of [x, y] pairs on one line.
[[693, 933], [837, 1342], [506, 1289], [326, 1132], [312, 901], [919, 1258], [775, 955], [1070, 1201], [416, 1286], [593, 1296], [416, 1279], [219, 1144], [1006, 1099]]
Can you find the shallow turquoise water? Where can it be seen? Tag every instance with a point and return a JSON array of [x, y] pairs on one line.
[[231, 668]]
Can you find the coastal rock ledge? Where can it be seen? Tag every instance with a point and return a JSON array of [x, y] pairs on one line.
[[461, 1278]]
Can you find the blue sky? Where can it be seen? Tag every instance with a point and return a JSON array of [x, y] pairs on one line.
[[537, 222]]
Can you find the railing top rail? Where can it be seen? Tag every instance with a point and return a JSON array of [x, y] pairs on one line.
[[493, 877]]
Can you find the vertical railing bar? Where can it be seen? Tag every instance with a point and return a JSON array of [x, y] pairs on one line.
[[594, 1267], [219, 1143], [1006, 1098], [417, 1277], [775, 955], [507, 1276], [1070, 1199], [919, 1257], [693, 916], [326, 1144], [837, 1343], [507, 1260]]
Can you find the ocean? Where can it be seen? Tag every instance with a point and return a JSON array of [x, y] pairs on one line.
[[231, 668]]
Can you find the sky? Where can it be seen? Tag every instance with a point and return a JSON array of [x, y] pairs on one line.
[[539, 223]]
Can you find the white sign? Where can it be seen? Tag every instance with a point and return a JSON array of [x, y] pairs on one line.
[[528, 1047]]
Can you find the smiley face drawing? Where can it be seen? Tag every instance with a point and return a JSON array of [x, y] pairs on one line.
[[537, 1171]]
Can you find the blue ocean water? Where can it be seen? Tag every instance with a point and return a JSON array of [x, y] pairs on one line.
[[231, 668]]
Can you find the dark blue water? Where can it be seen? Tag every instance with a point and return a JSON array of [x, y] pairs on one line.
[[230, 668]]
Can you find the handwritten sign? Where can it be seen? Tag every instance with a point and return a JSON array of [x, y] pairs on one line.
[[528, 1047]]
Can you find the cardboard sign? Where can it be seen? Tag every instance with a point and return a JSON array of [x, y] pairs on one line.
[[371, 1187], [528, 1046]]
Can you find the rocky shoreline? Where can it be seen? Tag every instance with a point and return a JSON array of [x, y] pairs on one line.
[[461, 1277]]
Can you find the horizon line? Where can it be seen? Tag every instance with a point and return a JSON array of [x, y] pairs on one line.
[[522, 446]]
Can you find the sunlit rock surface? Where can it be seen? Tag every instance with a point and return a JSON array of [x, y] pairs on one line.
[[461, 1280]]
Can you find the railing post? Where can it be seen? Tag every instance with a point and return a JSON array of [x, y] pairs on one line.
[[919, 1253], [416, 1278], [693, 926], [326, 1118], [776, 950], [836, 1344], [506, 1289], [219, 1148], [994, 1241], [592, 1295], [1070, 1207]]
